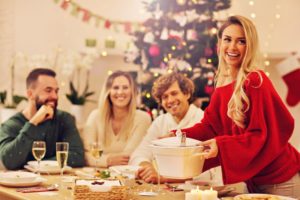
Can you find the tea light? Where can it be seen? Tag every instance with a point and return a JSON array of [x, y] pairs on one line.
[[209, 194], [194, 194]]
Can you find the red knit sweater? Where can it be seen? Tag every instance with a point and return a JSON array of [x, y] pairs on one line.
[[260, 153]]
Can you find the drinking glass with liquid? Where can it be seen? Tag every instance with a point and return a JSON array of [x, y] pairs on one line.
[[38, 152], [96, 151], [62, 149]]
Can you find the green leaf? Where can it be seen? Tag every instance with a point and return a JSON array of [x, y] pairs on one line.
[[77, 99]]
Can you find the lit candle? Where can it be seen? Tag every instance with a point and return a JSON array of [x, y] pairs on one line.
[[210, 194], [194, 194]]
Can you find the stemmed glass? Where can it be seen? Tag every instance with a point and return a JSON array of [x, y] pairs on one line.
[[62, 149], [96, 151], [38, 152], [158, 174]]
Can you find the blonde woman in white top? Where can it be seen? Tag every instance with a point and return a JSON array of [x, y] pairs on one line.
[[116, 124]]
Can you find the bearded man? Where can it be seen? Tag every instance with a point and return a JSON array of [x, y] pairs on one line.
[[39, 121]]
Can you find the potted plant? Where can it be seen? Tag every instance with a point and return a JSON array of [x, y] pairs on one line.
[[78, 98], [9, 109], [8, 100]]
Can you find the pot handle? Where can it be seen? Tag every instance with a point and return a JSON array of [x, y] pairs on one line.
[[200, 153]]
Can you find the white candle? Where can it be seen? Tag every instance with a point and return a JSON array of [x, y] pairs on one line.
[[194, 194], [209, 194]]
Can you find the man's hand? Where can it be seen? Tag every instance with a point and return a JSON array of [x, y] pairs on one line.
[[118, 160], [147, 173], [212, 150], [44, 113], [170, 134]]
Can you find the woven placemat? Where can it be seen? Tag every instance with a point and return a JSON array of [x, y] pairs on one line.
[[82, 192]]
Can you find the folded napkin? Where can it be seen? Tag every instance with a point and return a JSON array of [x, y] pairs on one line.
[[38, 189]]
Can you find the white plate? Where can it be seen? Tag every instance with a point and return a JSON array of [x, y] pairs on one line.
[[46, 166], [148, 194], [239, 197], [35, 182], [175, 142], [17, 176], [126, 169]]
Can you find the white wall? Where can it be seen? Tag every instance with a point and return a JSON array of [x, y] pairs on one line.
[[41, 25]]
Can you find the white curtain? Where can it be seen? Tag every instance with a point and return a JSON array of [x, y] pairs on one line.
[[7, 46]]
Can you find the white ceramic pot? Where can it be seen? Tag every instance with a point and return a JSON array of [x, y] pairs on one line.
[[178, 162], [78, 112]]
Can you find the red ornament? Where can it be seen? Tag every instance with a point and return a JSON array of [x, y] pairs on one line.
[[154, 50], [127, 27], [208, 52]]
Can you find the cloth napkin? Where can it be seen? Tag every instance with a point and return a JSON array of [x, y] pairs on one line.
[[37, 189]]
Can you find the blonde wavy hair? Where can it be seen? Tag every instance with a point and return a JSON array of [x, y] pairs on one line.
[[106, 107], [239, 102]]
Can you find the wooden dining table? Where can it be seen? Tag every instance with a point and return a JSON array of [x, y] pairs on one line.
[[66, 190]]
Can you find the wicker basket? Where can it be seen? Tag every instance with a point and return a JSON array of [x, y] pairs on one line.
[[82, 192]]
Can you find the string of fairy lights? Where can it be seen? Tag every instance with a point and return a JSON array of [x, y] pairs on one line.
[[274, 15]]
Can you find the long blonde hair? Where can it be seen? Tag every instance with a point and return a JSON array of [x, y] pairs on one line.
[[106, 108], [239, 102]]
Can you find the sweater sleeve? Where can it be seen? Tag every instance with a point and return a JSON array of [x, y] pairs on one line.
[[269, 126], [71, 135], [200, 131], [16, 141], [143, 153], [89, 136], [141, 124]]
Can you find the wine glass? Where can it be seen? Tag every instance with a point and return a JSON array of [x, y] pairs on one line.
[[38, 152], [62, 149], [96, 151], [158, 174]]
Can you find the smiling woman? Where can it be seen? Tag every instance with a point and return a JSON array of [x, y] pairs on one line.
[[116, 124]]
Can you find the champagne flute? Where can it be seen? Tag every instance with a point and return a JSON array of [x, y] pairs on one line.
[[62, 149], [96, 151], [38, 152]]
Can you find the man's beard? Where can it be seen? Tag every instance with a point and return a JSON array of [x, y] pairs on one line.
[[39, 103]]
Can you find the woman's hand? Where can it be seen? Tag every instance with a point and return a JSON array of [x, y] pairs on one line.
[[212, 150], [117, 160]]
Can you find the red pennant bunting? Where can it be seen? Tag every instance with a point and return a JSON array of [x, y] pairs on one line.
[[65, 5], [86, 15], [107, 24]]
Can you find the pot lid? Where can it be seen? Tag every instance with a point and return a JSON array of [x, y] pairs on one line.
[[175, 142]]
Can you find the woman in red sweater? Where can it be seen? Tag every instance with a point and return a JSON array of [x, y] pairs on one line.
[[246, 125]]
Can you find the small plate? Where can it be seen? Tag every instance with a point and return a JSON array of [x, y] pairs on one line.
[[249, 196], [17, 176], [148, 194], [35, 182]]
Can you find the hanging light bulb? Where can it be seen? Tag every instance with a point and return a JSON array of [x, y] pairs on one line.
[[104, 53], [181, 2], [148, 95], [267, 62], [109, 72]]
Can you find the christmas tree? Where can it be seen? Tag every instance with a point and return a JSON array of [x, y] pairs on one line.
[[180, 35]]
